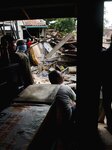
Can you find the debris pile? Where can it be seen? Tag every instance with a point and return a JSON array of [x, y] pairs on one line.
[[54, 52]]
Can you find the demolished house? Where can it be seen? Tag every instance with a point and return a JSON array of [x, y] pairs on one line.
[[54, 53]]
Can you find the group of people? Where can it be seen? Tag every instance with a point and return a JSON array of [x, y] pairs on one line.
[[15, 51]]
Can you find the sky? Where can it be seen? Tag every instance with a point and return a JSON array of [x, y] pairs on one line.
[[108, 12]]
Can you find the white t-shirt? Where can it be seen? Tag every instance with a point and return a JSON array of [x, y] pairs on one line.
[[65, 98]]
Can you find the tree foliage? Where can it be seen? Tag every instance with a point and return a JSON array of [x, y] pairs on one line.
[[63, 25]]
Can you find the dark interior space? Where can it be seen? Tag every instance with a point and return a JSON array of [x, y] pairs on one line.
[[89, 43], [31, 31]]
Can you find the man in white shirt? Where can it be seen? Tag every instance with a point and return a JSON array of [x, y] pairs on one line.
[[65, 105]]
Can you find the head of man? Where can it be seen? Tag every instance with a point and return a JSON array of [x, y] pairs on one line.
[[9, 42], [21, 45], [55, 77]]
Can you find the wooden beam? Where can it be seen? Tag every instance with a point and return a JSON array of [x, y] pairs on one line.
[[61, 43]]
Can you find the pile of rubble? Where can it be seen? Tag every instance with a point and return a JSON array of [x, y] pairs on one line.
[[54, 52]]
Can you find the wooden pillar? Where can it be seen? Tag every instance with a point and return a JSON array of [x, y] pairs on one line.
[[89, 39]]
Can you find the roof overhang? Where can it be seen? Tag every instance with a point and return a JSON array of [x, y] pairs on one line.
[[37, 9]]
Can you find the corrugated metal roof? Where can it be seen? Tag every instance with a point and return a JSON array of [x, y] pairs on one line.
[[34, 22]]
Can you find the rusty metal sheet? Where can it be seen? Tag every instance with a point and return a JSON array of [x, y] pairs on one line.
[[19, 124]]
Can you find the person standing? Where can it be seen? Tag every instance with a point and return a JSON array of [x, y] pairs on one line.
[[21, 58], [29, 42], [106, 77]]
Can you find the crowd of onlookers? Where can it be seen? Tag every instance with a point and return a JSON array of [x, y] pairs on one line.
[[16, 51]]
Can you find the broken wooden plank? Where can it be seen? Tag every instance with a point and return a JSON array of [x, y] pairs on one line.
[[61, 43]]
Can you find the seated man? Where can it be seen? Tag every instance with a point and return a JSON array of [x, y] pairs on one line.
[[65, 109], [65, 95], [58, 128]]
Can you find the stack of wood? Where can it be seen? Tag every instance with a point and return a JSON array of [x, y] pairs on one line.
[[65, 47]]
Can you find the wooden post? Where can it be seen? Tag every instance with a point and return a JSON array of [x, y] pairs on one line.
[[89, 39]]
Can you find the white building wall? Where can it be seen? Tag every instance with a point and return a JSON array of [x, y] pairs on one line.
[[20, 31]]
